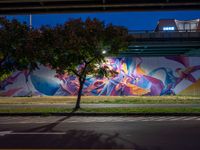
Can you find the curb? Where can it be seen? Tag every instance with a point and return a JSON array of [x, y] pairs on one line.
[[99, 114]]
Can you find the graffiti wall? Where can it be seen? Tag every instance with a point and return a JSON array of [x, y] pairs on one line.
[[136, 76]]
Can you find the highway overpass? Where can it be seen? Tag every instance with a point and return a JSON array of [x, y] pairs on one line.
[[151, 43], [71, 6]]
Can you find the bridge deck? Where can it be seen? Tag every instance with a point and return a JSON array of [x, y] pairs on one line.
[[55, 6]]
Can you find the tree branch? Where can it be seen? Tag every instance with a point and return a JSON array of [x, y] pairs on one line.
[[91, 60], [75, 72], [84, 69]]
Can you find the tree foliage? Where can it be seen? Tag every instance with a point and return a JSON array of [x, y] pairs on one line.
[[77, 46], [17, 50]]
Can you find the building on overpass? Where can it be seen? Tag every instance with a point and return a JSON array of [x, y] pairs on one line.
[[168, 25], [170, 37]]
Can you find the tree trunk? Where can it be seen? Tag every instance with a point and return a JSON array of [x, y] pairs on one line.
[[81, 82]]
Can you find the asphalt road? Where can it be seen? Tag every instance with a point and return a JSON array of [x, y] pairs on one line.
[[136, 133]]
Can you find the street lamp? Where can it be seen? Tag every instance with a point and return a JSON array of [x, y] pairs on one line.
[[104, 52]]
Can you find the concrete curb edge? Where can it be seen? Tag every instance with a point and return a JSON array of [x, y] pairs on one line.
[[99, 114]]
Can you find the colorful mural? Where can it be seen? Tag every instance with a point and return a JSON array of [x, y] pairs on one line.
[[136, 76]]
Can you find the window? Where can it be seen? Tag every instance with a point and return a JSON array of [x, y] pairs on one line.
[[168, 28], [180, 27], [193, 26], [187, 26]]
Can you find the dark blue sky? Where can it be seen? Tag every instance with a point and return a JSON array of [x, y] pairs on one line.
[[131, 20]]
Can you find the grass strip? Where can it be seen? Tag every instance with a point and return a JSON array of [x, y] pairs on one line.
[[103, 99], [102, 110]]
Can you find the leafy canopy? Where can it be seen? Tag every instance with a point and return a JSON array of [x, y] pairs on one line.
[[77, 46], [17, 47]]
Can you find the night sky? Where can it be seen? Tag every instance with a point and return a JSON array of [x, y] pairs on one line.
[[131, 20]]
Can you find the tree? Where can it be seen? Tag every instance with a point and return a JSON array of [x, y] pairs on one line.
[[17, 47], [78, 48]]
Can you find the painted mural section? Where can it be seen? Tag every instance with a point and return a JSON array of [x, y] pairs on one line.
[[136, 76]]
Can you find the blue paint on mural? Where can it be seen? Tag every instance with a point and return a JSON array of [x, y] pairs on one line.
[[44, 85]]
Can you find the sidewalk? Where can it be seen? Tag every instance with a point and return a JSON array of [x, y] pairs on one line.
[[108, 110]]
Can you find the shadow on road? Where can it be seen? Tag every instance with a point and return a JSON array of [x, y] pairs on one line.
[[72, 139], [51, 126], [89, 139]]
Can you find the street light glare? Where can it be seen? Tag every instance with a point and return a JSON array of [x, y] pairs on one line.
[[104, 52]]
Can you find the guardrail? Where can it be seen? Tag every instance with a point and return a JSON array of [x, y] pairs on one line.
[[155, 34], [163, 31]]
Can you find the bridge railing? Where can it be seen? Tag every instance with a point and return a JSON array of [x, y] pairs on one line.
[[156, 34]]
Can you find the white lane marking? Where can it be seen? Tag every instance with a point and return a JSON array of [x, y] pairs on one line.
[[2, 133], [178, 118], [38, 133], [146, 119], [170, 118], [190, 118], [136, 118], [160, 119]]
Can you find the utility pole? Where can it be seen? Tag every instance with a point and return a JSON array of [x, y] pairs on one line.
[[30, 21]]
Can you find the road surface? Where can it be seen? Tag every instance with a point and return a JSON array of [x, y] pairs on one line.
[[136, 133]]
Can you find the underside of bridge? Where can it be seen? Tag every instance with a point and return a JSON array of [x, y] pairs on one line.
[[59, 6]]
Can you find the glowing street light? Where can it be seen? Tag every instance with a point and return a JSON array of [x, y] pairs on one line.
[[104, 52]]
